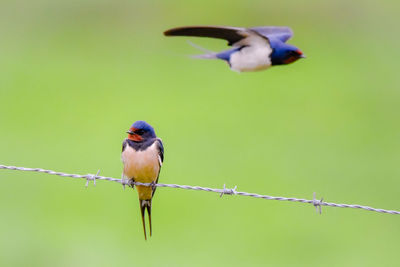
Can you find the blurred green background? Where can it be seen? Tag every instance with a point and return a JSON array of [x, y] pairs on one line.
[[74, 75]]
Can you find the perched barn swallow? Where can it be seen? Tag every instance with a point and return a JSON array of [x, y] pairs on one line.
[[142, 156], [253, 49]]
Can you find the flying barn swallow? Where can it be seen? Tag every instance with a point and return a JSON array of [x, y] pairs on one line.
[[142, 156], [253, 49]]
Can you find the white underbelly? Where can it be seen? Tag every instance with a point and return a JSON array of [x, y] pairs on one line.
[[251, 58]]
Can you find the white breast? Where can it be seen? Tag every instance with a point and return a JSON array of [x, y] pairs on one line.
[[143, 166], [251, 58]]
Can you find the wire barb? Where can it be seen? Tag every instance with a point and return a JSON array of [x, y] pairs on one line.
[[123, 182], [228, 191], [316, 203], [92, 177]]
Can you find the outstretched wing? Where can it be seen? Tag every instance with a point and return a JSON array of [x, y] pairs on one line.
[[234, 35], [282, 33]]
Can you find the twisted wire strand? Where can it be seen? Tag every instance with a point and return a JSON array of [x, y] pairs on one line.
[[224, 191]]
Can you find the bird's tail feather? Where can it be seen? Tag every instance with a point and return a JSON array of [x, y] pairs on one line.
[[145, 204], [208, 53]]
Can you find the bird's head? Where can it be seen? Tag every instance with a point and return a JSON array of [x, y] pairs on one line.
[[141, 131], [284, 53]]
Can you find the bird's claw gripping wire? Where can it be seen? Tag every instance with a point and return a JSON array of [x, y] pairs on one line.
[[153, 185], [131, 183]]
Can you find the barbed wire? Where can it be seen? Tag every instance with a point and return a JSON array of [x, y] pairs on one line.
[[224, 191]]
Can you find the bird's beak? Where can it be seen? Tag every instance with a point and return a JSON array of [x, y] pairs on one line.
[[130, 132], [300, 54]]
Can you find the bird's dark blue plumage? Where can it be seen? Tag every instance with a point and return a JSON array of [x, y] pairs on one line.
[[226, 55], [282, 52], [144, 126], [281, 33]]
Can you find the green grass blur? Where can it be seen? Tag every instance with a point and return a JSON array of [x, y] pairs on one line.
[[74, 75]]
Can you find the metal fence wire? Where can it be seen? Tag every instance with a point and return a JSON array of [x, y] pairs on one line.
[[317, 203]]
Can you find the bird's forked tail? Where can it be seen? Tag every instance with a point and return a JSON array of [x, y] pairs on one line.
[[145, 204], [208, 53]]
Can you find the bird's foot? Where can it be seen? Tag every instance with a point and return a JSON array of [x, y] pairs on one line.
[[131, 183]]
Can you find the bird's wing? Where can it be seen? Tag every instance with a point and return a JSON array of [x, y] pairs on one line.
[[160, 151], [124, 143], [234, 35], [160, 148], [282, 33]]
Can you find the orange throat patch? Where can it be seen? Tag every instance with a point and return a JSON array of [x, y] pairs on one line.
[[135, 137]]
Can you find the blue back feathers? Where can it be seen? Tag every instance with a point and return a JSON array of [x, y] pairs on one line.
[[278, 32]]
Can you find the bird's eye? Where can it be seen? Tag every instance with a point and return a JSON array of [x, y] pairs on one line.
[[139, 132]]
